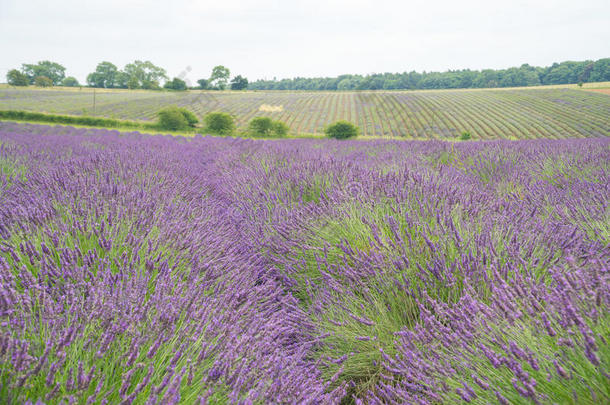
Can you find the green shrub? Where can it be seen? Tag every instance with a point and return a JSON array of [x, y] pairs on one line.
[[465, 136], [280, 128], [189, 116], [176, 118], [341, 130], [261, 126], [171, 118], [219, 123], [43, 81], [68, 119], [265, 126]]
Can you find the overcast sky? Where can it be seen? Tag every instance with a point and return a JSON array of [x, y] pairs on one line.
[[284, 39]]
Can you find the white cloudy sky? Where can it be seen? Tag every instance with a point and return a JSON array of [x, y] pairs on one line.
[[275, 38]]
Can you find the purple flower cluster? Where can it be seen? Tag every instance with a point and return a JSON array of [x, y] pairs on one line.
[[155, 269]]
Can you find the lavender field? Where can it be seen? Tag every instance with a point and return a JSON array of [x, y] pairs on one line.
[[157, 270], [488, 114]]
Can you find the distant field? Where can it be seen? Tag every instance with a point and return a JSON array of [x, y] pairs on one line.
[[518, 113]]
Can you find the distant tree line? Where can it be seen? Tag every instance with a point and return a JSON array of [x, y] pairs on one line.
[[43, 74], [137, 75], [525, 75], [146, 75]]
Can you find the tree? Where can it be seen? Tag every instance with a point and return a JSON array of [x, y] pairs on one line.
[[133, 83], [600, 71], [524, 75], [204, 84], [52, 70], [43, 81], [341, 130], [586, 73], [121, 80], [16, 78], [151, 85], [105, 76], [220, 77], [147, 75], [70, 82], [175, 84], [239, 83], [219, 123]]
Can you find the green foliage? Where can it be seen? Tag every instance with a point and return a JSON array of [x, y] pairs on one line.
[[150, 85], [204, 84], [16, 78], [175, 84], [68, 119], [261, 126], [133, 83], [390, 308], [43, 81], [105, 76], [265, 126], [108, 371], [341, 130], [189, 116], [70, 82], [280, 128], [239, 83], [220, 77], [524, 75], [145, 74], [11, 170], [171, 118], [52, 70], [219, 123], [465, 136]]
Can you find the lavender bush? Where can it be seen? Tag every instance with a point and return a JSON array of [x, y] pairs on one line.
[[153, 269]]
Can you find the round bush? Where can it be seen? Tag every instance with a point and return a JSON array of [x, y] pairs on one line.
[[280, 128], [261, 126], [341, 130], [171, 118], [219, 123], [265, 126], [189, 116]]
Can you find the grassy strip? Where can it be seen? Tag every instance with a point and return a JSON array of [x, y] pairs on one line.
[[71, 119]]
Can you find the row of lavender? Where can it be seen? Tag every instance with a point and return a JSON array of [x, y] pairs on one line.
[[153, 269]]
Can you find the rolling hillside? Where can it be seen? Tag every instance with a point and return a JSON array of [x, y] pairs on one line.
[[518, 113]]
